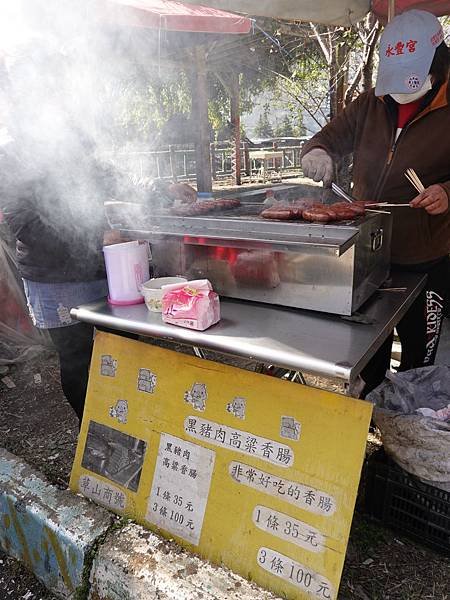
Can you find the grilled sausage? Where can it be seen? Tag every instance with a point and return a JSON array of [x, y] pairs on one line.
[[192, 210], [357, 210], [205, 207], [280, 213], [233, 202], [344, 214], [226, 203], [318, 214]]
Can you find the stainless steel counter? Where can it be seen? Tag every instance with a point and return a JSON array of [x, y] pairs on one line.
[[306, 341]]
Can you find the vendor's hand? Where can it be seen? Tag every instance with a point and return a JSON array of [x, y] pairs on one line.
[[434, 200], [318, 165], [182, 192]]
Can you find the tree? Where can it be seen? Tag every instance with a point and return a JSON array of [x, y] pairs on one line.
[[264, 127], [321, 68], [285, 128]]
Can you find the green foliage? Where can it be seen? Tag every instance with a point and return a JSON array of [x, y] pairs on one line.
[[139, 107], [286, 128], [252, 83], [264, 127], [218, 105]]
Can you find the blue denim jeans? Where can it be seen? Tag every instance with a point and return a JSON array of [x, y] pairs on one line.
[[50, 303]]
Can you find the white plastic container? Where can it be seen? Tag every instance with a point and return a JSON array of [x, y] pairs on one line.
[[154, 289], [126, 270]]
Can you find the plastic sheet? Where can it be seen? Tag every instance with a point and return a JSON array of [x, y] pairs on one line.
[[419, 444], [19, 340]]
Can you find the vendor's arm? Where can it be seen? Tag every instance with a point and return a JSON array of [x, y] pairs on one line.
[[18, 202], [18, 185], [435, 199], [27, 226]]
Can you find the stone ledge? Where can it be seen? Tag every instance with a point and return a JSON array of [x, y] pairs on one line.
[[53, 532], [136, 564]]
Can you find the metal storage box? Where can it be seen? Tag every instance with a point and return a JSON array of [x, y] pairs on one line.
[[332, 268]]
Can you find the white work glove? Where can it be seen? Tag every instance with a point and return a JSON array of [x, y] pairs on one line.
[[318, 165]]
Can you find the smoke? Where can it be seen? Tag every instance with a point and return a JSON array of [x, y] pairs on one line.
[[63, 66], [67, 63]]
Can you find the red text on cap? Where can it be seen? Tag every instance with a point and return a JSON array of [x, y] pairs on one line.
[[400, 46]]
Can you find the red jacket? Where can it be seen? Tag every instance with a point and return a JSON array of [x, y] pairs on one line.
[[367, 128]]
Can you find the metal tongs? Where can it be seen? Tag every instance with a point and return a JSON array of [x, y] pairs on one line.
[[340, 192]]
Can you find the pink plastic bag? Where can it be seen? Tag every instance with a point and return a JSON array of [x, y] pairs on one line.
[[193, 304]]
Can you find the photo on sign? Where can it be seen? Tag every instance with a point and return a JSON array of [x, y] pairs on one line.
[[114, 455]]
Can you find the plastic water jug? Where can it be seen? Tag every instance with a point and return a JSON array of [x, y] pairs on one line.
[[126, 270]]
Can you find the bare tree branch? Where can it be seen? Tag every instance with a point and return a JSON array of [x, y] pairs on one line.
[[326, 51]]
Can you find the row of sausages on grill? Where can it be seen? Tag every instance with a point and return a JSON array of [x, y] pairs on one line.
[[305, 209], [315, 212], [204, 207]]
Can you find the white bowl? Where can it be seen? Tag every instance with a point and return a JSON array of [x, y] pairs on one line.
[[153, 292]]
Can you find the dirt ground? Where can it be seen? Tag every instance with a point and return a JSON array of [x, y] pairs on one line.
[[37, 424]]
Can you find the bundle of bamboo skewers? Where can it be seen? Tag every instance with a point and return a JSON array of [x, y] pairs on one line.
[[410, 175], [414, 180]]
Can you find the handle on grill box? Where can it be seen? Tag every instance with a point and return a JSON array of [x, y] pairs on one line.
[[376, 240]]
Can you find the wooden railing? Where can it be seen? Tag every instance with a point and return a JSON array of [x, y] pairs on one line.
[[178, 162]]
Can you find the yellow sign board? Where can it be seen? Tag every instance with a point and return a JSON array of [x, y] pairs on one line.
[[247, 470]]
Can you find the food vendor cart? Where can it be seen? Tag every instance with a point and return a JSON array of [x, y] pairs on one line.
[[250, 471], [257, 473]]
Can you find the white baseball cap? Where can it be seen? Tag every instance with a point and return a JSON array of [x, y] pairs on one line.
[[406, 52]]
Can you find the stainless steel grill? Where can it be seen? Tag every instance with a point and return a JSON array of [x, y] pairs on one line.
[[332, 268]]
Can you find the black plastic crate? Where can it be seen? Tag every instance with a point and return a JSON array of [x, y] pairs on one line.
[[401, 501]]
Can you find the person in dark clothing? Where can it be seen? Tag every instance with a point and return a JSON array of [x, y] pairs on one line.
[[74, 347], [402, 124], [52, 191]]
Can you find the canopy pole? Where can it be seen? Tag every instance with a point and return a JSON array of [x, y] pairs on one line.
[[391, 10], [200, 111]]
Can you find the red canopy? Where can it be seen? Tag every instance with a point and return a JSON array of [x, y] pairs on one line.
[[169, 15], [437, 7]]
